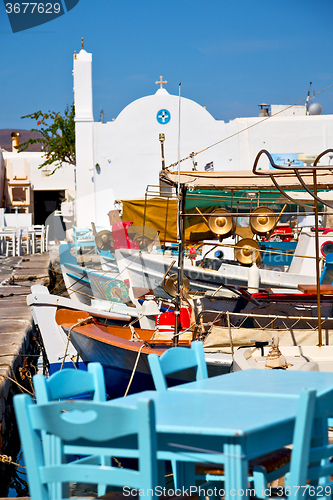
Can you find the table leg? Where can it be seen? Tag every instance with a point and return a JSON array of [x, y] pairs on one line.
[[19, 243], [14, 244], [33, 242], [236, 471]]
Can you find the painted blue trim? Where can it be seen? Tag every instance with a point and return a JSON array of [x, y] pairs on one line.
[[65, 255], [55, 367], [75, 276]]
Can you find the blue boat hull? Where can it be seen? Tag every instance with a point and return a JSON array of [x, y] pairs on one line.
[[119, 362]]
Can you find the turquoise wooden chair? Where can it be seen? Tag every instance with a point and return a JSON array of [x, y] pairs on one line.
[[83, 238], [175, 360], [66, 384], [171, 362], [311, 464], [311, 467], [91, 426], [69, 383]]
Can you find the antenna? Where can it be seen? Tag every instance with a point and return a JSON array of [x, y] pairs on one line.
[[307, 99], [312, 108], [309, 89], [101, 115]]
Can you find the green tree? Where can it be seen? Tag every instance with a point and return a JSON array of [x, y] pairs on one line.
[[57, 137]]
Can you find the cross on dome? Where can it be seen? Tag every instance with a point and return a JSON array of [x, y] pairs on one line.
[[160, 82]]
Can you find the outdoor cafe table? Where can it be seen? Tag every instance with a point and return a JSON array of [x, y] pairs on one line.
[[230, 419]]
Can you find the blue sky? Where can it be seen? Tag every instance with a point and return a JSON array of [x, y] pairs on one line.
[[229, 55]]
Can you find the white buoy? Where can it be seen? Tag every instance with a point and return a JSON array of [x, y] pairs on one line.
[[253, 279]]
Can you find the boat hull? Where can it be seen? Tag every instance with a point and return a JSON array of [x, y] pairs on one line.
[[147, 270], [303, 358], [123, 359]]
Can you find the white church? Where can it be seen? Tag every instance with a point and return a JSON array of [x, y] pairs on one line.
[[117, 160]]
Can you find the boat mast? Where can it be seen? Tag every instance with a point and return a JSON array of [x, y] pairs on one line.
[[180, 237], [181, 252]]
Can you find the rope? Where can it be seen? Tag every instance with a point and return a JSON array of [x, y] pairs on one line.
[[51, 291], [17, 355], [230, 335], [134, 369], [83, 321], [16, 382], [8, 460], [244, 129]]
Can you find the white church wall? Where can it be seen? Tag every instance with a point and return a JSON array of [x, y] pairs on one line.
[[128, 149]]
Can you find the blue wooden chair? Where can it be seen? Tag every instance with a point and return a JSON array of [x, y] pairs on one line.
[[311, 467], [175, 360], [171, 362], [311, 464], [66, 384], [91, 426], [69, 383], [83, 238]]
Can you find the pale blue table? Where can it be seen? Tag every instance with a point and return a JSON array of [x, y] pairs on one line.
[[282, 383], [230, 419]]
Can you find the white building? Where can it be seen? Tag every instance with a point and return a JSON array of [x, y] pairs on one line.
[[28, 189], [118, 159]]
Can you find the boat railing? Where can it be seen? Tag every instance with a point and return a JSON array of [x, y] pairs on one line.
[[224, 331]]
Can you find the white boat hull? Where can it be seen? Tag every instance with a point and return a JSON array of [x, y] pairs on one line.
[[146, 270], [304, 358]]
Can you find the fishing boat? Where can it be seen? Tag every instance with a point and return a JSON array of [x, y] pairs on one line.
[[58, 352], [84, 283], [315, 355], [123, 351], [149, 270], [250, 225]]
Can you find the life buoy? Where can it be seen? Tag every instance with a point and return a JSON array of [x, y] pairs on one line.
[[326, 248]]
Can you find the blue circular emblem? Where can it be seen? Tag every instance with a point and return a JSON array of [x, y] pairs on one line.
[[116, 291], [163, 116]]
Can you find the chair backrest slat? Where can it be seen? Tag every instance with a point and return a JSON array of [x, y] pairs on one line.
[[310, 464], [65, 384], [176, 359], [95, 425], [69, 382]]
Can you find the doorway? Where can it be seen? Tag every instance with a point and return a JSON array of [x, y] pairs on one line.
[[46, 203]]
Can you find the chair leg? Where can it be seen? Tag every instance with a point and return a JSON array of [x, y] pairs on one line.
[[183, 474]]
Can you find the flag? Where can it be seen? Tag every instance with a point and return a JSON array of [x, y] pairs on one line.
[[209, 167]]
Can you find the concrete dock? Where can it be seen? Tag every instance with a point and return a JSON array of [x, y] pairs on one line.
[[17, 275]]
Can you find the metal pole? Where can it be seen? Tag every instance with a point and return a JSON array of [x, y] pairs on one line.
[[317, 259], [179, 139], [181, 247], [162, 139]]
